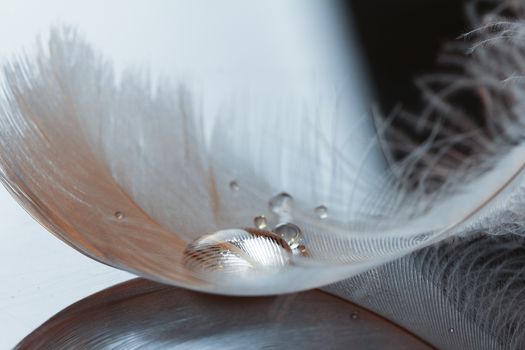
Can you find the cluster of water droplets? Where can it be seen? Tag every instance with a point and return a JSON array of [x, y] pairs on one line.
[[248, 250]]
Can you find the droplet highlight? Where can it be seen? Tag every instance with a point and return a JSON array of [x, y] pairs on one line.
[[354, 315], [260, 222], [321, 212], [302, 250], [237, 252], [451, 330], [291, 233]]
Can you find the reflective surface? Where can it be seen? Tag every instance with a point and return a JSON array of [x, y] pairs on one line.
[[144, 314]]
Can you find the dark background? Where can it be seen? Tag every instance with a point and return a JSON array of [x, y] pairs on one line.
[[401, 40]]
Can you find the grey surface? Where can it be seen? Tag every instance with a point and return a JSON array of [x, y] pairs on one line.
[[146, 315]]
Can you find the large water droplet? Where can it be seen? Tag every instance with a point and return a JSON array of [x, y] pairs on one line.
[[260, 222], [281, 204], [291, 233], [238, 251], [321, 212], [119, 215]]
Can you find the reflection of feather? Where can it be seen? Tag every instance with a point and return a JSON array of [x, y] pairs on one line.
[[143, 315], [128, 177]]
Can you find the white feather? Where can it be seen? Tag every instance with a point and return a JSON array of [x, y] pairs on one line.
[[127, 176]]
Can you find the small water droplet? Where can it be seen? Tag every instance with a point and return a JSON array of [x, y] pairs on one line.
[[234, 186], [420, 238], [260, 222], [451, 330], [354, 315], [281, 204], [119, 215], [290, 233], [238, 251], [321, 212]]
